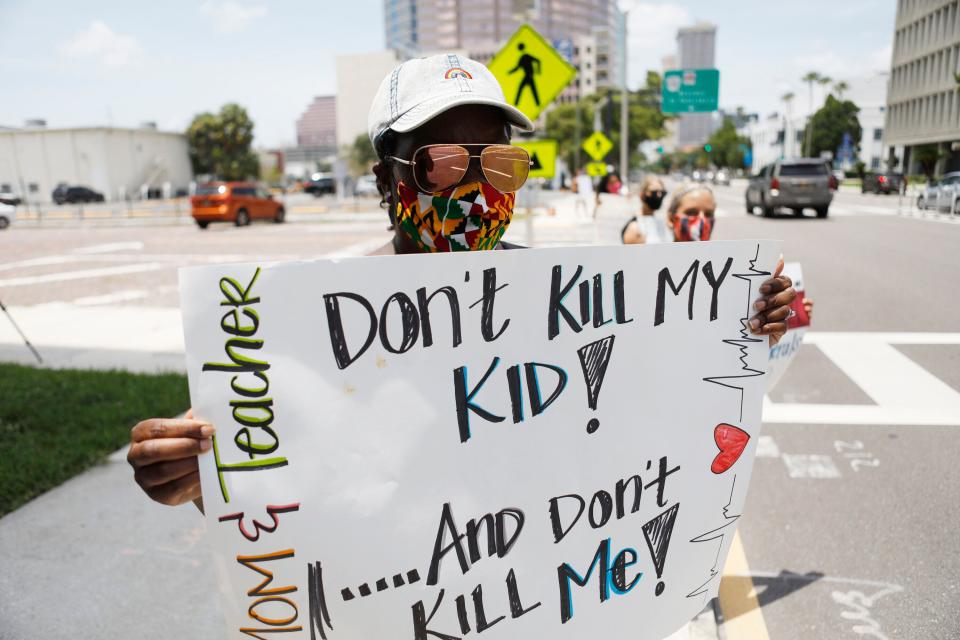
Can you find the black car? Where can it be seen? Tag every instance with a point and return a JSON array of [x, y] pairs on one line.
[[882, 183], [319, 184], [64, 194]]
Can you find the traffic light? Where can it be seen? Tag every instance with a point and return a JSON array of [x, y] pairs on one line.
[[660, 149], [708, 148]]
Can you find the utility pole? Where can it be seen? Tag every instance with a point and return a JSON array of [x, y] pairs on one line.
[[625, 104], [576, 133]]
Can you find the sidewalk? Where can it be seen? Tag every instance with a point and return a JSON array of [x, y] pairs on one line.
[[95, 558]]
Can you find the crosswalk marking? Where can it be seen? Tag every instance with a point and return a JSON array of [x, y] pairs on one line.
[[80, 274], [904, 392]]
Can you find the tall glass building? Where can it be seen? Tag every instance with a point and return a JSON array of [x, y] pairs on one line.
[[591, 33]]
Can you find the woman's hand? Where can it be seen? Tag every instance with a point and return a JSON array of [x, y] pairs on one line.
[[163, 454], [774, 307]]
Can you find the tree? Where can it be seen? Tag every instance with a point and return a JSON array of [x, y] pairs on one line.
[[927, 156], [727, 149], [219, 144], [829, 124], [810, 77], [840, 88], [646, 122], [361, 156]]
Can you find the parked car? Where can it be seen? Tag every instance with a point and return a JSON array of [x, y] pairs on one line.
[[794, 184], [65, 194], [8, 213], [882, 182], [7, 197], [236, 202], [945, 194], [366, 186], [319, 184], [722, 177]]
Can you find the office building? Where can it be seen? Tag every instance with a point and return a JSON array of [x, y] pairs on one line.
[[591, 34], [695, 50], [923, 104], [780, 135], [317, 127]]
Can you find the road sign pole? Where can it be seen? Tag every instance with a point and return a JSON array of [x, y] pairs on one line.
[[624, 142], [576, 137]]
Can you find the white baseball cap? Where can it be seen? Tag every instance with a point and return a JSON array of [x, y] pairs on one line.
[[423, 88]]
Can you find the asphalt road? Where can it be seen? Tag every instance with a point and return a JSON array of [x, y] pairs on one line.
[[849, 526], [850, 529]]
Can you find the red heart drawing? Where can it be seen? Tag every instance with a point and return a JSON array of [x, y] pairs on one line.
[[731, 441]]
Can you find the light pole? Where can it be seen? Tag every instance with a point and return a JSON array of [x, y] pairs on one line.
[[625, 106]]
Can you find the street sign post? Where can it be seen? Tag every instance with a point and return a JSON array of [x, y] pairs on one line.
[[597, 145], [543, 155], [530, 71], [597, 169], [690, 90]]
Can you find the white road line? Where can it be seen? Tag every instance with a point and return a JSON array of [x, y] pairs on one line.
[[803, 465], [110, 298], [888, 337], [111, 247], [357, 249], [37, 262], [81, 274], [904, 392]]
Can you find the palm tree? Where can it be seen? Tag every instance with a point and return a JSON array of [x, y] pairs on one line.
[[823, 81], [840, 87], [787, 100], [810, 77]]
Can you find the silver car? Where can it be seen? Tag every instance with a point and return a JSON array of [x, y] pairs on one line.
[[804, 183], [944, 195]]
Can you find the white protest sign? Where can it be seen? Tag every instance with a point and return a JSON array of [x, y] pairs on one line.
[[782, 353], [520, 444]]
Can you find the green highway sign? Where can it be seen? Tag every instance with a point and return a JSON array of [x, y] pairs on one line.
[[690, 90]]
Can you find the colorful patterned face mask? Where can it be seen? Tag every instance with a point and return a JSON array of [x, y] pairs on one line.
[[687, 228], [468, 217]]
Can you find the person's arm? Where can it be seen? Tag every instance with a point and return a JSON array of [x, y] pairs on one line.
[[632, 234], [774, 307], [163, 454]]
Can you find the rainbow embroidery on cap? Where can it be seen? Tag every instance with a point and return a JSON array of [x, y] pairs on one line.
[[457, 72]]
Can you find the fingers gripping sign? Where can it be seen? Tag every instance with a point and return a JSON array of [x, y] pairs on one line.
[[163, 453], [774, 308]]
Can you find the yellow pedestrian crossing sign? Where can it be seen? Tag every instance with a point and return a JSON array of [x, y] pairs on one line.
[[597, 169], [597, 145], [543, 155], [530, 72]]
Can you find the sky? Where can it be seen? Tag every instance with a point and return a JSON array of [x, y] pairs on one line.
[[121, 63]]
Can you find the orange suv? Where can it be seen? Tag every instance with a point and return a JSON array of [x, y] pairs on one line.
[[236, 202]]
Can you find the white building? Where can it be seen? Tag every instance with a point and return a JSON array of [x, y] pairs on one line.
[[119, 163], [924, 105], [781, 136], [358, 78]]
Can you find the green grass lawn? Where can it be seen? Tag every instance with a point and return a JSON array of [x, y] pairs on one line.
[[56, 423]]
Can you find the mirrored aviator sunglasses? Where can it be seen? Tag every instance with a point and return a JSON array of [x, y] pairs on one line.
[[437, 167]]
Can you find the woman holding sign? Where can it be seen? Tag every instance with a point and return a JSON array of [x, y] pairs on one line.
[[448, 176]]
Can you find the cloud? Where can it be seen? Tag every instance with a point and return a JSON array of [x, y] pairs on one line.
[[100, 41], [232, 17], [652, 34]]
